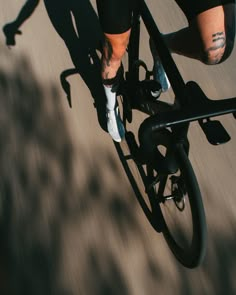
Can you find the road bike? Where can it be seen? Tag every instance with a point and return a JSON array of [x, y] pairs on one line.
[[170, 198]]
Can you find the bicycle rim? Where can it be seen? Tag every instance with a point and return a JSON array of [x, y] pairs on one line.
[[180, 202]]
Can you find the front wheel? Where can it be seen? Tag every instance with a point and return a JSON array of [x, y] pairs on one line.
[[182, 211]]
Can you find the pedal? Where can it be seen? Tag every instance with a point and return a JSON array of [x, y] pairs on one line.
[[149, 89], [215, 132]]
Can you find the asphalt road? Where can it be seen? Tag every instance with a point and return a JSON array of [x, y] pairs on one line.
[[70, 221]]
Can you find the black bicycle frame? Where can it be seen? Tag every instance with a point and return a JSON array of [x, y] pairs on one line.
[[194, 104]]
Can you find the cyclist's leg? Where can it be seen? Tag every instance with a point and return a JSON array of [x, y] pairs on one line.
[[114, 48], [210, 34], [115, 19]]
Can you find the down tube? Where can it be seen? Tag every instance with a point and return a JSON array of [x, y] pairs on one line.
[[133, 49]]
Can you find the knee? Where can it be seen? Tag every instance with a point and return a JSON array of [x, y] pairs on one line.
[[118, 51], [115, 45]]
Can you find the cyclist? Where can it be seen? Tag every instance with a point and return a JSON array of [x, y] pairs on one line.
[[209, 38]]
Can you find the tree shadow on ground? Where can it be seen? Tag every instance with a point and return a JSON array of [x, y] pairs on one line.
[[40, 195], [48, 220], [35, 167]]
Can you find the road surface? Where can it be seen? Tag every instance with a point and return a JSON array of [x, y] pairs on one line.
[[70, 221]]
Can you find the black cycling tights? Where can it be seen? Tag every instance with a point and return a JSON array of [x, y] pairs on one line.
[[115, 16]]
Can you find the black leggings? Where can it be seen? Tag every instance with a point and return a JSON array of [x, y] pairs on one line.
[[115, 15]]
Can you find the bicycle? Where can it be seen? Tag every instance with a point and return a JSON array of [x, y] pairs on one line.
[[168, 177]]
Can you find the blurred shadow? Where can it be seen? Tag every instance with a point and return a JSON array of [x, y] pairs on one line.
[[77, 24], [35, 165], [12, 29], [41, 199], [40, 196], [46, 236], [107, 280]]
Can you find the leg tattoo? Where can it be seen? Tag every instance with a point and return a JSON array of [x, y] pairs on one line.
[[106, 58], [213, 54]]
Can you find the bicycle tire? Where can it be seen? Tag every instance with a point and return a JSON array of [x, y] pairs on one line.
[[193, 254]]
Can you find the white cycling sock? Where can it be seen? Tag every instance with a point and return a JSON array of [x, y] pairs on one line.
[[111, 97], [111, 87]]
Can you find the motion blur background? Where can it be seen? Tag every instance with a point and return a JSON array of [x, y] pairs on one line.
[[70, 222]]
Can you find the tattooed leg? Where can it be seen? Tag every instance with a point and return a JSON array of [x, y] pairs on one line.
[[205, 38], [113, 50], [215, 52], [106, 59]]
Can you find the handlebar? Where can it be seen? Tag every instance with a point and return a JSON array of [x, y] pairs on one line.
[[194, 104], [198, 107]]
